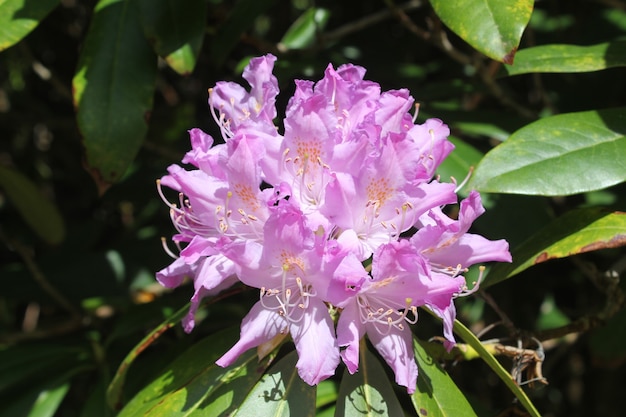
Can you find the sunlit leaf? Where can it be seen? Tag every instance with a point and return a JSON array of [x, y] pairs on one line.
[[493, 27], [436, 395], [114, 391], [302, 33], [194, 385], [559, 155], [176, 30], [367, 392], [326, 393], [576, 232], [49, 400], [36, 210], [19, 17], [113, 89], [569, 58], [280, 392]]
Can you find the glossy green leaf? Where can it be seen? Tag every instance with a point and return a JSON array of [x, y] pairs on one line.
[[114, 391], [194, 385], [113, 89], [367, 392], [326, 393], [280, 392], [576, 232], [176, 30], [559, 155], [568, 58], [436, 395], [240, 19], [493, 27], [19, 17], [49, 400], [37, 211], [302, 33]]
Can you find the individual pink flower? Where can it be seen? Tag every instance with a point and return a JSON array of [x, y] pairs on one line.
[[383, 305], [286, 267]]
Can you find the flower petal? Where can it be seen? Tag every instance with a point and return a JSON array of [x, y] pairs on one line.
[[314, 336], [350, 330], [259, 326], [396, 348]]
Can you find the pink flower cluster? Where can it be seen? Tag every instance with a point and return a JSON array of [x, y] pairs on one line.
[[339, 214]]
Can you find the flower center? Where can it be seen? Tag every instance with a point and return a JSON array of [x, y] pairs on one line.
[[378, 311]]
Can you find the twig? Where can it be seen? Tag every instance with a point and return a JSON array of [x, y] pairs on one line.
[[73, 324], [438, 37], [39, 276], [504, 318], [608, 283], [369, 20]]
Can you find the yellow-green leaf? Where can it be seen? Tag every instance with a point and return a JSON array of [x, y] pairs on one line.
[[576, 232], [493, 27], [19, 17], [569, 58]]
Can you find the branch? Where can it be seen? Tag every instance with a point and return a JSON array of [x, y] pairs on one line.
[[607, 283], [39, 276]]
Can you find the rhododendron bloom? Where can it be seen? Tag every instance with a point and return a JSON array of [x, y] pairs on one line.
[[341, 212]]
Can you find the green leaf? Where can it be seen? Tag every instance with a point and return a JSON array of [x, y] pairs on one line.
[[280, 392], [49, 401], [367, 392], [194, 385], [302, 33], [240, 19], [437, 395], [326, 393], [113, 89], [19, 17], [559, 155], [576, 232], [569, 58], [176, 30], [114, 391], [20, 365], [46, 389], [493, 27], [37, 211]]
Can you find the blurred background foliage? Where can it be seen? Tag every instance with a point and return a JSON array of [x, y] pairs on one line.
[[81, 243]]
